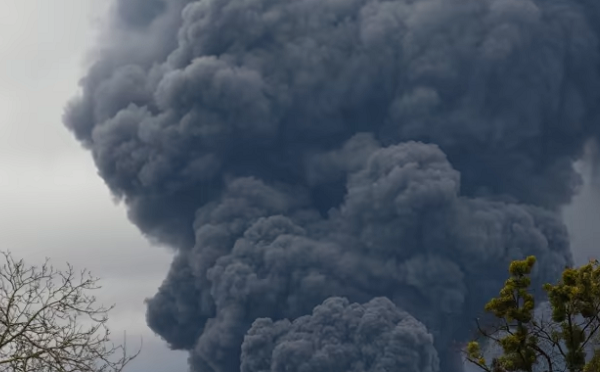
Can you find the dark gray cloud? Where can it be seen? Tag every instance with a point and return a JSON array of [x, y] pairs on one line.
[[297, 151], [339, 336]]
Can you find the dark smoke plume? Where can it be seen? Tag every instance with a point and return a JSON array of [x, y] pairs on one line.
[[339, 337], [295, 151]]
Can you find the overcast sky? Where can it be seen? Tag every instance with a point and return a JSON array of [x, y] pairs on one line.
[[583, 217], [52, 203]]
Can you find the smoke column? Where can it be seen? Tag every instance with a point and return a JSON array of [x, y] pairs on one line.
[[344, 181]]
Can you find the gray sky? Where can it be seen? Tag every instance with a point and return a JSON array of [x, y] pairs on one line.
[[52, 203], [583, 217]]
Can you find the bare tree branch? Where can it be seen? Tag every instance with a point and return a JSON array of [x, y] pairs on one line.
[[49, 322]]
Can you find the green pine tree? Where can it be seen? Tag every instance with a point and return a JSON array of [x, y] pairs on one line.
[[567, 340]]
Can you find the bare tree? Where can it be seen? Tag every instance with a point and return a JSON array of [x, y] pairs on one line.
[[49, 322]]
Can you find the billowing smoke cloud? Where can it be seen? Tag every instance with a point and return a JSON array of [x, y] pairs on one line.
[[340, 337], [298, 151]]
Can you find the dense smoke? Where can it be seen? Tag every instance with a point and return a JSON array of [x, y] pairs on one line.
[[297, 152], [339, 337]]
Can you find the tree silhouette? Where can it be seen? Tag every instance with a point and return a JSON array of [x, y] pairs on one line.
[[49, 322]]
